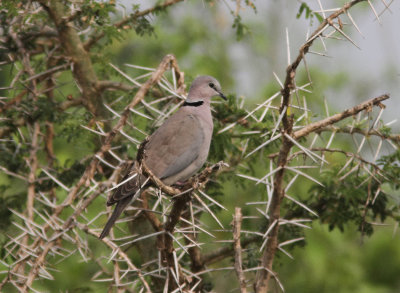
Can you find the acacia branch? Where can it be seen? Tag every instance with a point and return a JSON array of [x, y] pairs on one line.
[[167, 62], [347, 154], [372, 132], [83, 70], [113, 85], [120, 252], [167, 248], [33, 164], [237, 224], [16, 100], [289, 84], [154, 221], [224, 252], [195, 254], [263, 276], [316, 126], [45, 74]]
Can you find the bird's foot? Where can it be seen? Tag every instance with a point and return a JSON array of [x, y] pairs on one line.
[[179, 184]]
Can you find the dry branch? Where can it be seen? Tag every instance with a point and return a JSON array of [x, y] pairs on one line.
[[263, 276], [224, 252], [195, 254], [372, 132], [154, 221], [237, 224], [120, 252], [347, 154], [316, 126], [83, 70], [289, 83]]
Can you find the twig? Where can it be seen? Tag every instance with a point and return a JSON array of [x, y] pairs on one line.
[[120, 252], [237, 223], [224, 252], [168, 244], [196, 257], [393, 137], [33, 163], [113, 85], [348, 154], [43, 75], [316, 126], [16, 100], [154, 221]]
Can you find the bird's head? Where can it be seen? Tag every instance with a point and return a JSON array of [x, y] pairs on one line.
[[203, 88]]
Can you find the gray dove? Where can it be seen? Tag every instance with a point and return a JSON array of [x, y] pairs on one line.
[[176, 150]]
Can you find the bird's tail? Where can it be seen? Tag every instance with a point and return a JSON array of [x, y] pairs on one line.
[[119, 208], [125, 193]]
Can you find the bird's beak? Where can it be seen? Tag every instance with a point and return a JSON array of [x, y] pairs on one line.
[[222, 95]]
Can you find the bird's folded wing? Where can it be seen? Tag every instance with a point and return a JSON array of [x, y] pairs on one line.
[[175, 145], [129, 188]]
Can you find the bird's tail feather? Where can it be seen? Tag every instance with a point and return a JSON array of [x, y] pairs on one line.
[[119, 208]]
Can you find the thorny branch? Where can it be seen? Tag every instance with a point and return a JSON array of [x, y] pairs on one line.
[[83, 70], [316, 126], [194, 250], [120, 252], [237, 224], [348, 154], [173, 218], [224, 252], [167, 62], [263, 276], [373, 132], [154, 221]]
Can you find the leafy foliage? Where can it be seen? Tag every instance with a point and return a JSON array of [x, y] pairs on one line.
[[308, 13], [241, 29]]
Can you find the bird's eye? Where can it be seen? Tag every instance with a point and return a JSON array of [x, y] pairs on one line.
[[211, 85]]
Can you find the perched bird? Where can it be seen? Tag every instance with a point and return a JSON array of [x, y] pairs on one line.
[[177, 149]]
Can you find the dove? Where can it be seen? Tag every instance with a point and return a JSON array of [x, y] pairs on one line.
[[176, 150]]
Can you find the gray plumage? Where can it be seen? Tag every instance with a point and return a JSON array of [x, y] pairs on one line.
[[177, 149]]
